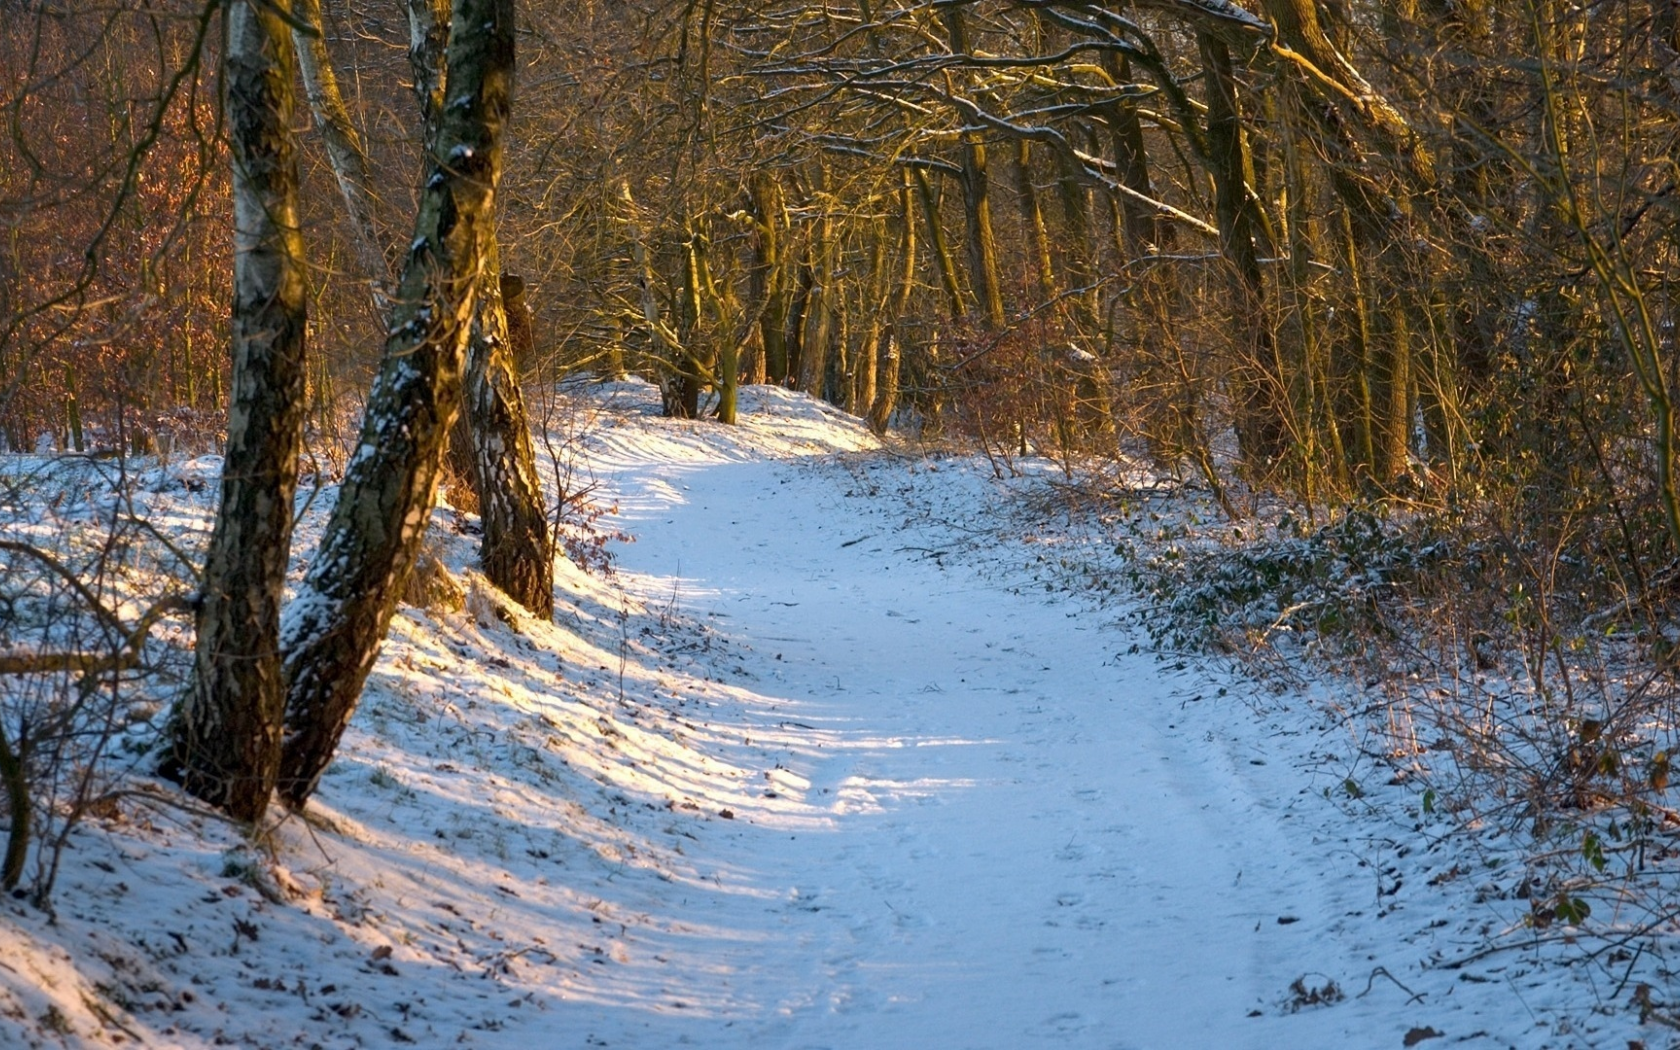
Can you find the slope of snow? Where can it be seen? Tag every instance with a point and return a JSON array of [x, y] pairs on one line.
[[830, 761]]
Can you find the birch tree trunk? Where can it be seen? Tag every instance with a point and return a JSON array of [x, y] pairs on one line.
[[516, 554], [332, 632], [344, 143], [492, 440], [225, 733], [428, 55]]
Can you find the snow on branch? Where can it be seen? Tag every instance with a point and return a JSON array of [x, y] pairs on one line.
[[1223, 18]]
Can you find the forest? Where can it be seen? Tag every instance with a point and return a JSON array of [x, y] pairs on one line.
[[1325, 346]]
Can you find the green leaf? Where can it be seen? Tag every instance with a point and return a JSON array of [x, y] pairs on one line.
[[1592, 848]]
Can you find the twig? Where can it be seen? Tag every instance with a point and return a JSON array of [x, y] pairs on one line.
[[1628, 973], [153, 794], [1414, 997], [57, 568], [1495, 949], [92, 663]]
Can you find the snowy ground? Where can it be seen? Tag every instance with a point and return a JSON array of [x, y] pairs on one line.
[[833, 761]]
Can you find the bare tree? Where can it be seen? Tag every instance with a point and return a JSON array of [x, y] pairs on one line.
[[332, 631], [225, 744]]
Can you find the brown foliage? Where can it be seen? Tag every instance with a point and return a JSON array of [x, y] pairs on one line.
[[114, 265]]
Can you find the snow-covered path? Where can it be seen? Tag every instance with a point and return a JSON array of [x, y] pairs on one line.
[[826, 764], [1009, 833]]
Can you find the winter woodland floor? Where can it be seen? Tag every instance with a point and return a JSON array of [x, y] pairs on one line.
[[831, 762]]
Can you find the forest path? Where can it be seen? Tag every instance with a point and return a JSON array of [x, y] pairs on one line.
[[1012, 834]]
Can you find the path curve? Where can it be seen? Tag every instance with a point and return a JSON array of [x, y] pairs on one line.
[[1024, 836]]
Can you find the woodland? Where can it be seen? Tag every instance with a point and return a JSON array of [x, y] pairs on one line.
[[1389, 289]]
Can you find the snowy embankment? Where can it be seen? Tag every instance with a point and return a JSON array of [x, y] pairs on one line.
[[824, 764]]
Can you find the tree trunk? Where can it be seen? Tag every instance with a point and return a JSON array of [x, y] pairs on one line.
[[731, 328], [1170, 399], [344, 144], [1142, 224], [872, 308], [817, 337], [490, 446], [770, 273], [729, 381], [1032, 214], [522, 340], [1378, 205], [1302, 324], [936, 241], [1075, 199], [428, 52], [689, 380], [890, 350], [225, 733], [1257, 386], [332, 632], [515, 553], [1461, 367], [14, 781], [977, 207]]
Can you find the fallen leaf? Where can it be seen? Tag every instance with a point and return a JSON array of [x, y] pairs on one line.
[[1418, 1035]]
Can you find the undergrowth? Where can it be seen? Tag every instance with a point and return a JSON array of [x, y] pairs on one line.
[[85, 583], [1334, 582], [1515, 688]]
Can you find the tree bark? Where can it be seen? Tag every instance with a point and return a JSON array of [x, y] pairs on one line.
[[1257, 386], [1032, 216], [1074, 197], [770, 273], [890, 347], [941, 249], [1378, 206], [428, 55], [875, 299], [817, 334], [516, 552], [345, 152], [332, 632], [977, 207], [694, 360], [1142, 224], [225, 733], [1171, 402], [491, 442]]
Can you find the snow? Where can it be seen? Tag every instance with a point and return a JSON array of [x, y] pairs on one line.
[[835, 759]]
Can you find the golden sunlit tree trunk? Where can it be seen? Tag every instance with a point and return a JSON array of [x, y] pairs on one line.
[[1257, 387], [977, 204], [333, 629], [225, 732]]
